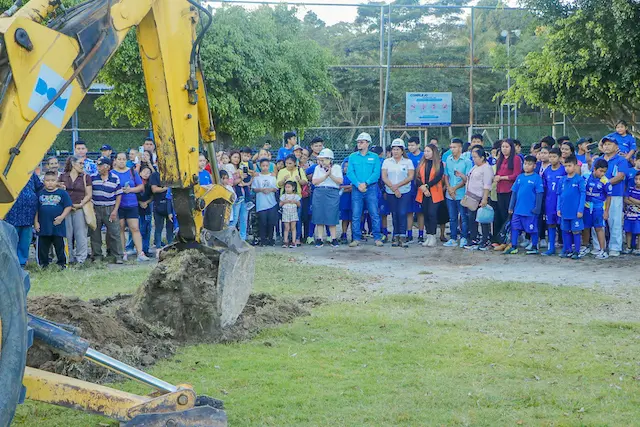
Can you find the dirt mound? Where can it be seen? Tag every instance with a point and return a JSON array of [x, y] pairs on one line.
[[113, 328], [181, 293]]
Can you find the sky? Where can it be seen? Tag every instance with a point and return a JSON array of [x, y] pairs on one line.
[[333, 14]]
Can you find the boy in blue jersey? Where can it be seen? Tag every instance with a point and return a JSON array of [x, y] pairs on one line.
[[518, 145], [572, 196], [414, 153], [551, 178], [525, 205], [597, 205], [632, 172]]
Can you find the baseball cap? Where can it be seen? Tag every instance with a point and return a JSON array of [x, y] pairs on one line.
[[364, 137], [609, 138], [397, 143], [104, 161], [106, 147], [297, 147], [376, 149], [326, 153]]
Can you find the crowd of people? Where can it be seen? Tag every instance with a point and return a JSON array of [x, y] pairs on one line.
[[582, 197]]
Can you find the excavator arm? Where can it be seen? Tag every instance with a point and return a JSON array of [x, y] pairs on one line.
[[49, 58]]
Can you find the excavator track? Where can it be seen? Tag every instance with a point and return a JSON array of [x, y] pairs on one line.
[[14, 340]]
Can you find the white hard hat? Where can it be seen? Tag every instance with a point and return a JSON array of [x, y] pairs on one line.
[[364, 137], [397, 143], [326, 153]]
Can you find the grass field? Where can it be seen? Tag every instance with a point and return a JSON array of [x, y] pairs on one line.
[[485, 353]]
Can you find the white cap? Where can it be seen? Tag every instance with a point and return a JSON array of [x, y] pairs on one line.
[[326, 153], [364, 137], [397, 143]]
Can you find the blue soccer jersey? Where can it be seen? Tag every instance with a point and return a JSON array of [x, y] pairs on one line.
[[551, 179], [597, 191], [526, 188], [572, 195]]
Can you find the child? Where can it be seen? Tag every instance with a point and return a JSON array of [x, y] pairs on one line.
[[597, 207], [583, 155], [518, 145], [226, 183], [204, 177], [543, 160], [345, 202], [265, 187], [290, 202], [526, 205], [632, 216], [632, 172], [571, 199], [551, 178], [54, 205]]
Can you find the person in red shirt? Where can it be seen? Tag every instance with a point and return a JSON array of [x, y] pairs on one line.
[[508, 167]]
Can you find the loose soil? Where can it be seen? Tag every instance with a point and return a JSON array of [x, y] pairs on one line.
[[175, 306]]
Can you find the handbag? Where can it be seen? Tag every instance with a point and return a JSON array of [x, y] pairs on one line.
[[471, 201], [90, 215], [485, 215]]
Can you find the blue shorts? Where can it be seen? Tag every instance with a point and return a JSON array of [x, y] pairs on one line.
[[576, 224], [632, 226], [593, 217], [383, 205], [528, 224], [551, 217], [345, 215]]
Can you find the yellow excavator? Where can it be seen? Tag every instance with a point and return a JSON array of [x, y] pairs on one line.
[[49, 57]]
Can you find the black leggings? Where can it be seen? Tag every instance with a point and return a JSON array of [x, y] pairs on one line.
[[473, 228], [502, 213], [267, 222], [430, 212]]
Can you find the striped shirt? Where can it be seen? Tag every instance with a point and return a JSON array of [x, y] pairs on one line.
[[105, 192]]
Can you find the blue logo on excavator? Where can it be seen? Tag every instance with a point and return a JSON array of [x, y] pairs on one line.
[[42, 88]]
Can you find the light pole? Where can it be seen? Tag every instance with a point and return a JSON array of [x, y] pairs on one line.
[[506, 34]]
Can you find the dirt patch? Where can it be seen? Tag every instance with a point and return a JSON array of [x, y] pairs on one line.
[[114, 329]]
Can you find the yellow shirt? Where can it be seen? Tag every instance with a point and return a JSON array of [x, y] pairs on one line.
[[287, 175]]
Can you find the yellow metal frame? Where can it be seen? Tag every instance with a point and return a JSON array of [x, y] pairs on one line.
[[76, 394]]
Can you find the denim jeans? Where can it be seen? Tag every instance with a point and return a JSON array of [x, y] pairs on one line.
[[160, 222], [235, 212], [24, 243], [455, 210], [358, 200], [145, 232], [399, 208], [240, 217]]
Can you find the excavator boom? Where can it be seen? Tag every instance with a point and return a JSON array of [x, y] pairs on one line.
[[49, 57]]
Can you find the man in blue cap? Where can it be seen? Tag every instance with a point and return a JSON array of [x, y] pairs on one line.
[[106, 151], [364, 172]]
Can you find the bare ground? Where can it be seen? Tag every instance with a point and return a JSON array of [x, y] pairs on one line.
[[418, 269]]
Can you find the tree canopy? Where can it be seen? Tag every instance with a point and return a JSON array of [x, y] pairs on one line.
[[589, 64]]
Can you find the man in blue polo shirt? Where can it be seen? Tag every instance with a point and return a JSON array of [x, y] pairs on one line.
[[456, 170], [616, 173], [364, 172], [106, 197], [290, 140]]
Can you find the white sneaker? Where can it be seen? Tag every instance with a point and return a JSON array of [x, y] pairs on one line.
[[125, 257], [450, 243], [529, 246], [584, 250], [463, 242], [543, 243], [525, 243], [143, 258], [626, 251], [602, 254], [614, 253], [636, 252]]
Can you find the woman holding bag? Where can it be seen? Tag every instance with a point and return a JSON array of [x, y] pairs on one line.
[[430, 193], [78, 186], [478, 186]]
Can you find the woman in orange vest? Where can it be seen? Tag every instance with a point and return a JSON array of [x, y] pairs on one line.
[[430, 192]]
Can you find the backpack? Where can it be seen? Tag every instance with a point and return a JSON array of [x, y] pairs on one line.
[[305, 190], [504, 236]]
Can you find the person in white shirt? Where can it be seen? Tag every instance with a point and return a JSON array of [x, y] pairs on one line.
[[325, 206], [265, 186], [397, 174]]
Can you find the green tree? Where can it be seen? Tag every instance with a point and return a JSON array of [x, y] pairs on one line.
[[589, 64], [261, 76]]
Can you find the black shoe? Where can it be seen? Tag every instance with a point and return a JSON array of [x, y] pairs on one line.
[[319, 243], [420, 240], [344, 241], [335, 243], [396, 242]]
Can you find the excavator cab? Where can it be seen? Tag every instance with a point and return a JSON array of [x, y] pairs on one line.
[[49, 57]]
